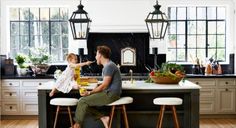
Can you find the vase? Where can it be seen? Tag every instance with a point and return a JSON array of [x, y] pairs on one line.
[[22, 71], [40, 69]]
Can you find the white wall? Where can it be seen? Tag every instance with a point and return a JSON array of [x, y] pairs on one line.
[[116, 16]]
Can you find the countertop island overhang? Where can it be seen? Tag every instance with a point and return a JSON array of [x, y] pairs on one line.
[[142, 113]]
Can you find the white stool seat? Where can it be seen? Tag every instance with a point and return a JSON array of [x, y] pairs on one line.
[[121, 101], [168, 101], [64, 101]]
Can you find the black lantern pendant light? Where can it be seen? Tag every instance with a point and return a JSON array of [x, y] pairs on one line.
[[157, 23], [79, 23]]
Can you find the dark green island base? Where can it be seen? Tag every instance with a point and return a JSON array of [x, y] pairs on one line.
[[142, 113]]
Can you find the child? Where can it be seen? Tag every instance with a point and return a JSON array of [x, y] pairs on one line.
[[66, 80]]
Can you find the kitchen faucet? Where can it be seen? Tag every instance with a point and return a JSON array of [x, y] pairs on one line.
[[131, 76]]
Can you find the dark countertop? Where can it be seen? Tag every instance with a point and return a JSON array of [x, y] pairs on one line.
[[50, 76]]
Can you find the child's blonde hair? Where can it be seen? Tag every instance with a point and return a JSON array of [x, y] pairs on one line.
[[71, 56]]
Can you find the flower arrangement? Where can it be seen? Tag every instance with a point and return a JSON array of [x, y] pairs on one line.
[[20, 60], [169, 73], [39, 56]]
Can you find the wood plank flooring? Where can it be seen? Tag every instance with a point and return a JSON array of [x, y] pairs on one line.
[[204, 123]]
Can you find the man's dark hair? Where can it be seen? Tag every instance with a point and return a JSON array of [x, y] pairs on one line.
[[104, 51]]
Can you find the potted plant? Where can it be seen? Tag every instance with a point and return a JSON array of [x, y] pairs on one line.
[[22, 67], [39, 59]]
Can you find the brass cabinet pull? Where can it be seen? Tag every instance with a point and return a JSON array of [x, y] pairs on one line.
[[226, 89], [197, 82], [226, 83], [10, 83], [10, 94], [10, 107]]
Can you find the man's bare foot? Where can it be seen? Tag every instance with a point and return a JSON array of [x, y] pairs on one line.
[[76, 125], [105, 121]]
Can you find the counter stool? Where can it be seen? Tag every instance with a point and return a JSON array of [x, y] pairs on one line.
[[64, 102], [120, 104], [167, 102]]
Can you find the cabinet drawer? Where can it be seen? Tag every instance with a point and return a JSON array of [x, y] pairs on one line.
[[10, 108], [32, 83], [207, 93], [30, 108], [10, 94], [204, 83], [207, 107], [10, 84], [226, 83], [29, 94]]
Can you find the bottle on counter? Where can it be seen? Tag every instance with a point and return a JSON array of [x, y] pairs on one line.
[[208, 69]]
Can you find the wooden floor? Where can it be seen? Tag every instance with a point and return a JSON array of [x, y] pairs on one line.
[[204, 123]]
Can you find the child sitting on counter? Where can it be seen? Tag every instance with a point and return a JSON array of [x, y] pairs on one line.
[[65, 83]]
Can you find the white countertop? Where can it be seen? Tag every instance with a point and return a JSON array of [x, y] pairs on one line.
[[137, 85]]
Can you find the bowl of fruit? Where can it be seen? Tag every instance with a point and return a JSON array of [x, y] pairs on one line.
[[169, 73]]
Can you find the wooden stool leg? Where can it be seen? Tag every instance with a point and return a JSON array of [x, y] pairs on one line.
[[175, 116], [69, 112], [111, 115], [55, 122], [160, 118], [125, 116]]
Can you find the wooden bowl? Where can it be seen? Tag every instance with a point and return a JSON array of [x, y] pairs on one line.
[[165, 80]]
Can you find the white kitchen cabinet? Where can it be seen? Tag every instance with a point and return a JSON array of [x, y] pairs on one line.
[[217, 95], [20, 96]]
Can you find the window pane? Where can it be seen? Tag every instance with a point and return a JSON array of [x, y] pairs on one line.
[[65, 52], [172, 13], [192, 41], [14, 28], [44, 28], [191, 13], [201, 54], [45, 39], [221, 54], [201, 13], [44, 13], [64, 13], [24, 40], [201, 27], [35, 41], [14, 14], [24, 13], [55, 27], [212, 41], [34, 14], [34, 28], [24, 28], [191, 55], [220, 13], [211, 13], [65, 41], [172, 28], [64, 28], [221, 41], [191, 27], [172, 41], [180, 41], [181, 27], [181, 54], [211, 53], [56, 54], [171, 54], [181, 13], [14, 42], [56, 41], [54, 14], [220, 27], [201, 41], [212, 27]]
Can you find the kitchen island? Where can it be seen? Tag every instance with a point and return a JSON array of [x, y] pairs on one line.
[[142, 113]]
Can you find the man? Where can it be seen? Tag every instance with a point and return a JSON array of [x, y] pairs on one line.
[[107, 92]]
